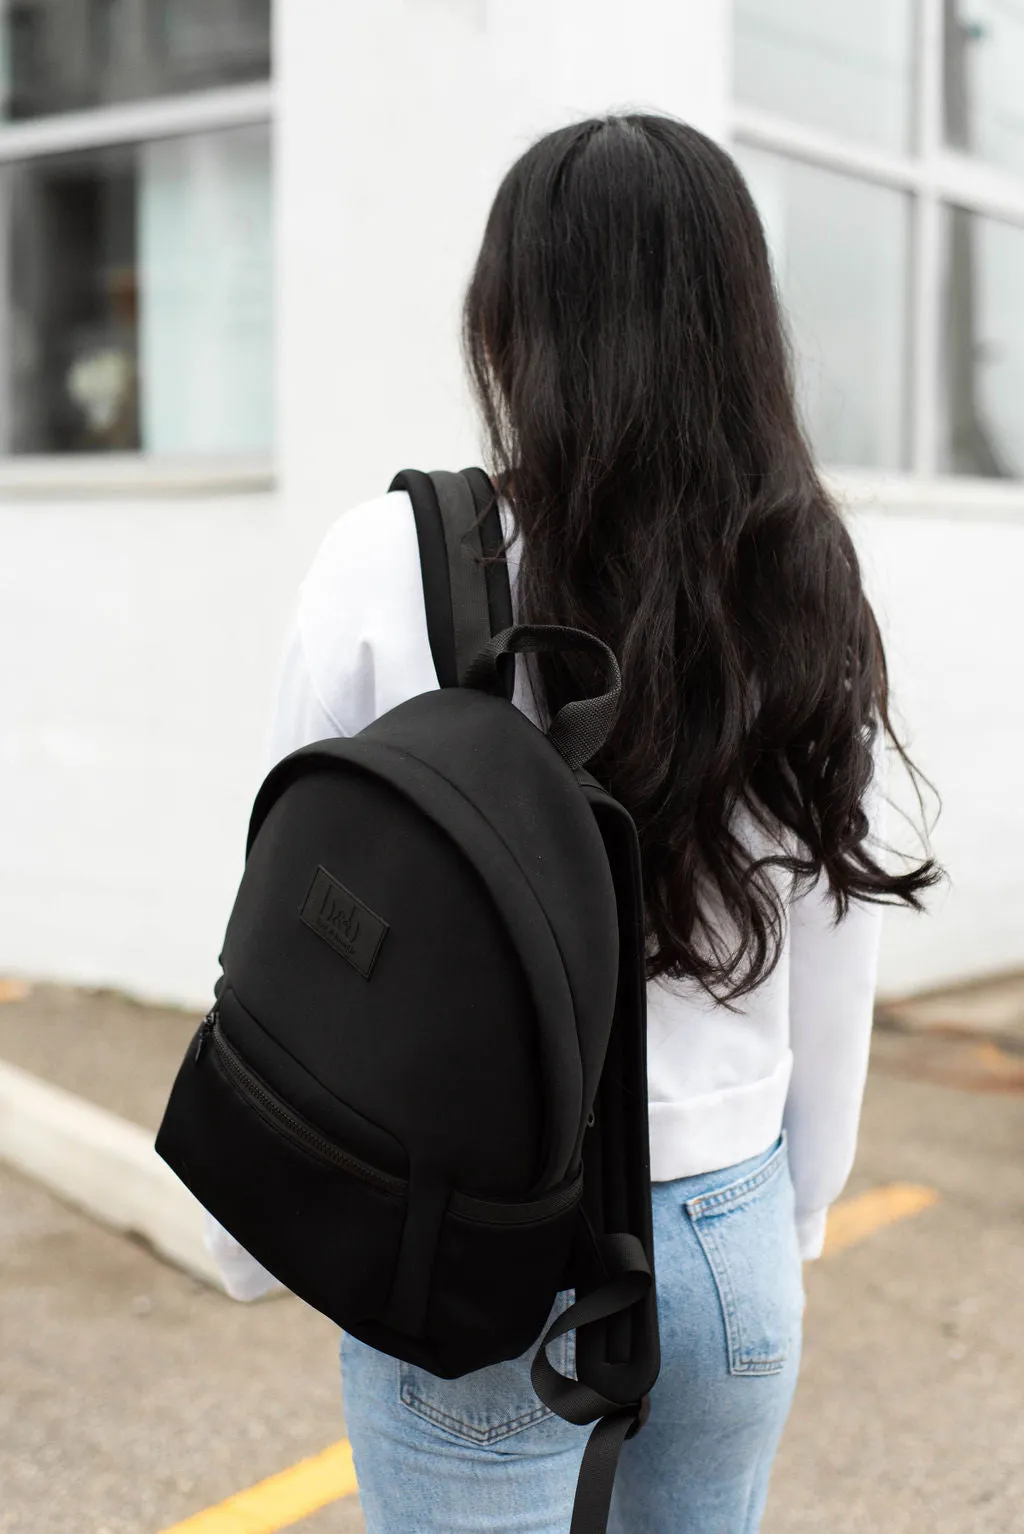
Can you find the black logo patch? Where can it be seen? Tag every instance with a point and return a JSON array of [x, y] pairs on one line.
[[351, 928]]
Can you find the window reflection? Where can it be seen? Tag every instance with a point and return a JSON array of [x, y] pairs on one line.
[[983, 335], [983, 71], [840, 250], [139, 298], [830, 64], [66, 55]]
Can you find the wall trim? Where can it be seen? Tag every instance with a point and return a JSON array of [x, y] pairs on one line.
[[133, 122], [913, 495], [112, 476]]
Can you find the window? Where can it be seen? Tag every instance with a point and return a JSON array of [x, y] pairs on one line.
[[884, 145], [982, 373], [833, 235], [846, 67], [135, 227], [984, 66]]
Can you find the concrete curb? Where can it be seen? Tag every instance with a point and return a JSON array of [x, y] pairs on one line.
[[102, 1163]]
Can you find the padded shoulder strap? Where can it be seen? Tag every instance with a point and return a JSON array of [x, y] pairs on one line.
[[465, 580], [615, 1313]]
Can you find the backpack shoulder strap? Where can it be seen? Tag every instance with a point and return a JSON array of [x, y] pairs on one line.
[[465, 579], [615, 1312]]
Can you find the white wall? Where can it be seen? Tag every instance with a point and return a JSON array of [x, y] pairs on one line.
[[138, 640], [948, 593], [428, 101], [399, 119], [139, 637]]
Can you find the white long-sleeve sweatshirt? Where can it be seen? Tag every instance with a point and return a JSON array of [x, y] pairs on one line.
[[722, 1082]]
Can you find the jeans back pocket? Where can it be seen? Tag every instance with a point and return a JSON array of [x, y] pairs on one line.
[[490, 1404], [748, 1233]]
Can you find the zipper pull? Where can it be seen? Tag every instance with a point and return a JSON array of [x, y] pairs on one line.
[[206, 1027]]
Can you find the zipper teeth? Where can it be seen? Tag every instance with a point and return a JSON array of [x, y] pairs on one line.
[[297, 1128]]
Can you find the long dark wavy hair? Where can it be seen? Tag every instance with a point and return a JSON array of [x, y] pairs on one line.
[[625, 340]]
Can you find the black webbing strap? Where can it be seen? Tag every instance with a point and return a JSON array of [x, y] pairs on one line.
[[465, 580], [581, 727], [597, 1471], [628, 1282]]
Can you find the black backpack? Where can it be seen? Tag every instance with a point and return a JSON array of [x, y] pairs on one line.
[[420, 1099]]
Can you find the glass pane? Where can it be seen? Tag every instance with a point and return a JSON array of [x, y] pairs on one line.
[[984, 67], [830, 64], [840, 250], [63, 55], [983, 334], [139, 299]]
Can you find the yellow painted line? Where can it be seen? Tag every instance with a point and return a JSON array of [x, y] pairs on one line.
[[857, 1218], [997, 1060], [282, 1499]]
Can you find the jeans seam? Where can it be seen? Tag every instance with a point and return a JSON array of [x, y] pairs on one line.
[[739, 1361], [466, 1430], [706, 1203], [565, 1362], [723, 1284]]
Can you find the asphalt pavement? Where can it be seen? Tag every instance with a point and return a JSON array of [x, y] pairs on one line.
[[133, 1397]]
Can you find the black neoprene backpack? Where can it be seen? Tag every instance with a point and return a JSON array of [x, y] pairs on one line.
[[420, 1099]]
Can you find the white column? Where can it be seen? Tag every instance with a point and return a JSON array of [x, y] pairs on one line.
[[397, 121]]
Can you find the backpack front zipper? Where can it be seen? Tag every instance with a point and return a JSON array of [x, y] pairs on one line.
[[291, 1124], [270, 1107]]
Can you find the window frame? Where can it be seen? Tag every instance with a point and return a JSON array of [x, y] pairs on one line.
[[133, 122], [935, 177]]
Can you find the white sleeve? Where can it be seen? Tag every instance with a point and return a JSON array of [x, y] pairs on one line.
[[242, 1276], [299, 718], [832, 986], [833, 972]]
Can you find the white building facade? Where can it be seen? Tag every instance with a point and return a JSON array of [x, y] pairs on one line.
[[232, 251]]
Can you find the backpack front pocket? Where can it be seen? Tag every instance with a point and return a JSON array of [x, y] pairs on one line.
[[497, 1269], [280, 1116], [320, 1218]]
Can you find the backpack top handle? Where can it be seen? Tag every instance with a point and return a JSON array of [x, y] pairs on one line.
[[581, 726]]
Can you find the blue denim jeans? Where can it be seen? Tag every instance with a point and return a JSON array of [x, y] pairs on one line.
[[480, 1455]]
